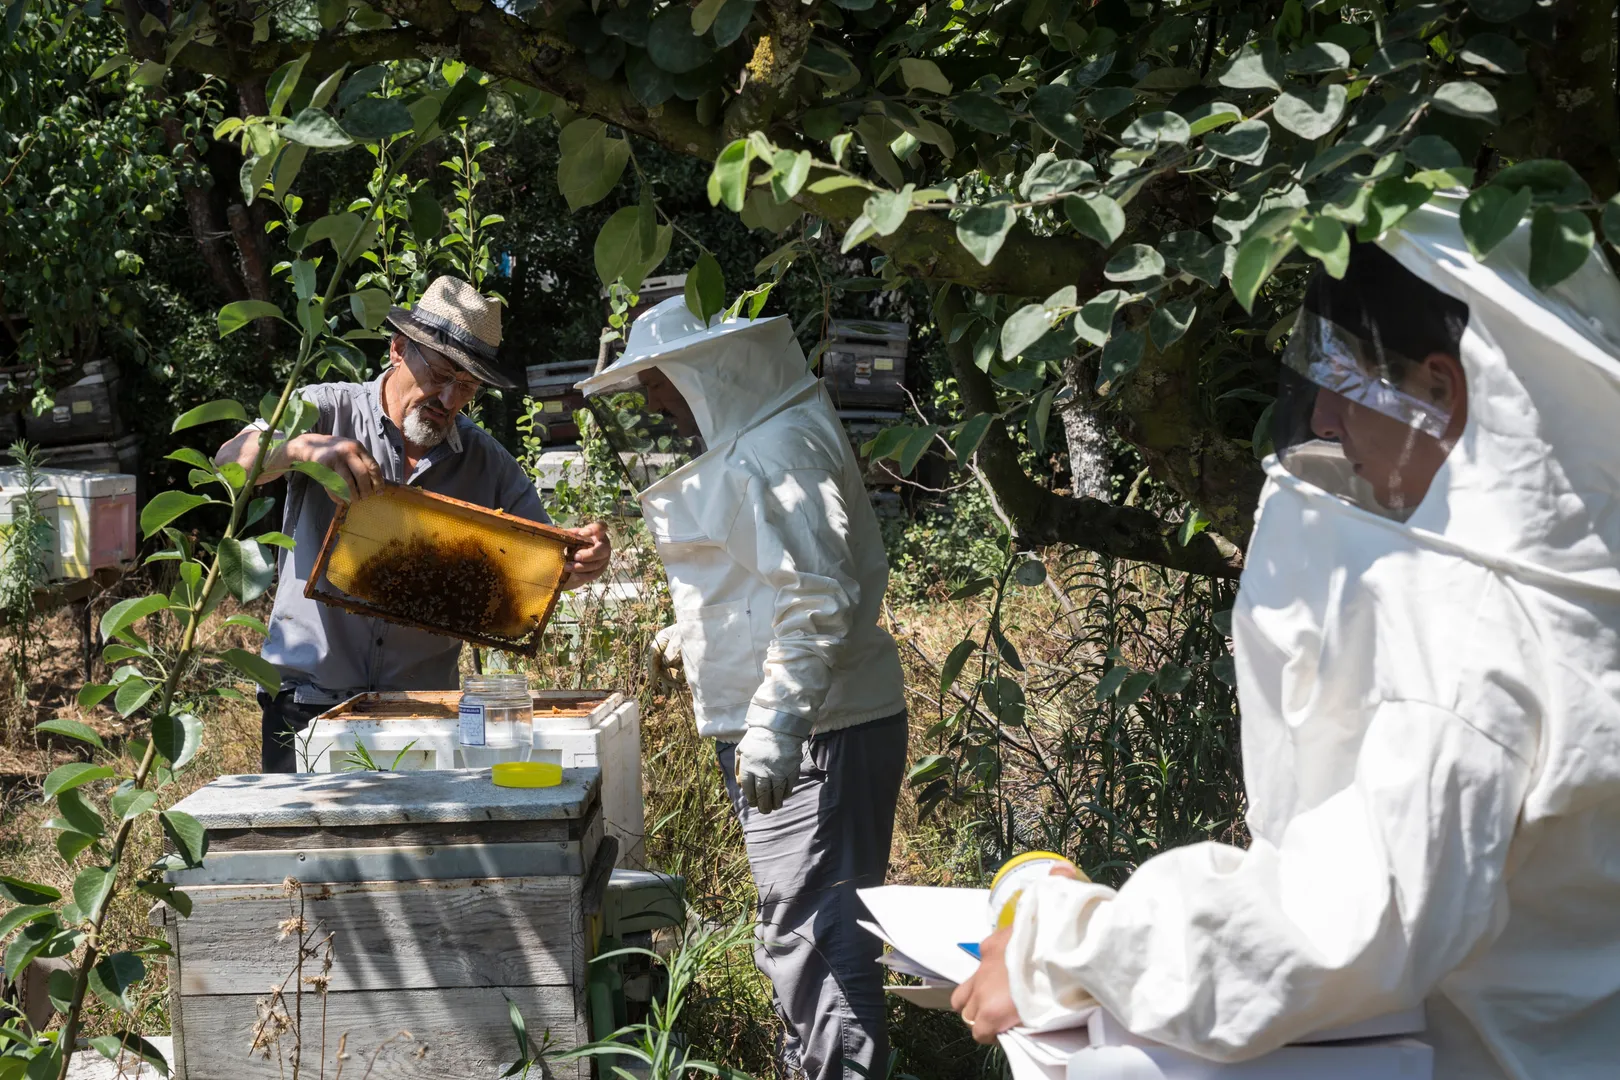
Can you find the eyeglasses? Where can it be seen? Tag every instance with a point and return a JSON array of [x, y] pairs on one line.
[[441, 376]]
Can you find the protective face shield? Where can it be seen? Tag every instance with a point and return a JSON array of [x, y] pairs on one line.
[[1362, 420], [649, 425]]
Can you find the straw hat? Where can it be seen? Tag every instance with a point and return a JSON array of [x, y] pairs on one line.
[[455, 319]]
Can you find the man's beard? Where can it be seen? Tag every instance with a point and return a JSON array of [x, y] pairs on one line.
[[422, 431]]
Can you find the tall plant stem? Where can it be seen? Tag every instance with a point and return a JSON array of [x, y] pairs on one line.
[[201, 604]]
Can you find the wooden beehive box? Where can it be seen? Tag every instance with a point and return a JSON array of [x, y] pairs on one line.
[[864, 365], [444, 898]]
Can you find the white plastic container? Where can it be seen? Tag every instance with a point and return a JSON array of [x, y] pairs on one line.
[[12, 500], [95, 517], [587, 729]]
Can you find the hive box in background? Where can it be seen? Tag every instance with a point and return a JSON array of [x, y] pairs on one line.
[[95, 517], [12, 500], [86, 411], [446, 900], [416, 730]]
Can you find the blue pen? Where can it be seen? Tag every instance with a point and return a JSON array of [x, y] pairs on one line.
[[969, 947]]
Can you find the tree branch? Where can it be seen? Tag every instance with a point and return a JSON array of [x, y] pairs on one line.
[[1042, 517]]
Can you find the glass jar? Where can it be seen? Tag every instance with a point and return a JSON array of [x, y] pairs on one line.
[[497, 720]]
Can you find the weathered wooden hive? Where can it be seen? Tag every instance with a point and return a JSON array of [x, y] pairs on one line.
[[442, 898]]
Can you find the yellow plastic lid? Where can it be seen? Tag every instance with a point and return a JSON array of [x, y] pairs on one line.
[[526, 774]]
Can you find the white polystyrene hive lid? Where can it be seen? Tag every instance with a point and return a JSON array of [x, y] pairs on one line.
[[76, 483], [308, 800]]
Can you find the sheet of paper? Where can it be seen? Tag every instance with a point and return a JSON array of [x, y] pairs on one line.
[[928, 925]]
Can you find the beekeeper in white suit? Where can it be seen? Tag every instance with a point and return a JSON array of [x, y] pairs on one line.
[[776, 572], [1428, 658]]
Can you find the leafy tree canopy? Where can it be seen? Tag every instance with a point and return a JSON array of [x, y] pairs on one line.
[[1113, 205]]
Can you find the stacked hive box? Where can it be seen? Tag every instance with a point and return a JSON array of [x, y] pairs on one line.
[[444, 899]]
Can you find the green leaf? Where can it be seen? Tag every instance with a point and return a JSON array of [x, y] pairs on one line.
[[1490, 215], [132, 694], [234, 316], [921, 74], [1392, 58], [1390, 201], [728, 181], [73, 730], [1245, 142], [1024, 328], [1318, 58], [1121, 356], [128, 612], [279, 87], [1325, 238], [165, 507], [1550, 182], [93, 694], [113, 977], [706, 288], [1311, 114], [22, 916], [91, 888], [619, 251], [1171, 320], [1560, 241], [1467, 99], [1098, 217], [223, 409], [317, 130], [1257, 257], [186, 833], [110, 65], [1052, 106], [703, 15], [1494, 53], [983, 229], [971, 434], [1611, 221], [19, 891], [245, 568], [323, 476], [1151, 130], [177, 738], [427, 216], [887, 210], [254, 667], [981, 111], [1255, 67], [77, 815], [1095, 319], [373, 118], [789, 171], [340, 229], [1134, 262], [732, 21], [130, 803], [590, 163], [1211, 116], [671, 43], [916, 445], [370, 307], [1109, 101]]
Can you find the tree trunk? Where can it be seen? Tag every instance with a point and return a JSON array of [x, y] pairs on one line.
[[1090, 460]]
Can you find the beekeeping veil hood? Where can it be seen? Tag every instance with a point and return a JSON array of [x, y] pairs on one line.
[[731, 373], [1429, 679]]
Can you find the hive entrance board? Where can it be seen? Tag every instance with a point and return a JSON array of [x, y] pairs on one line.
[[444, 704], [443, 565]]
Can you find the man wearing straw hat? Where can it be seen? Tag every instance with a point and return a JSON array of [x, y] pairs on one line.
[[404, 427]]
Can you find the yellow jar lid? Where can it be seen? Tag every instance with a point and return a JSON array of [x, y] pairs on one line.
[[526, 774]]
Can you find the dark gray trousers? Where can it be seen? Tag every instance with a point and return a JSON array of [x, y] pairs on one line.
[[828, 839]]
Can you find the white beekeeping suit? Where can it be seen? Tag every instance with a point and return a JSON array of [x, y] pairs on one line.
[[776, 570], [1430, 692], [775, 561]]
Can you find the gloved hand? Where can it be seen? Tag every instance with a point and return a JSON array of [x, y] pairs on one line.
[[767, 765], [664, 666]]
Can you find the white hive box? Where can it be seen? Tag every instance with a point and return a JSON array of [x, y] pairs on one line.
[[445, 898], [12, 500], [416, 730], [95, 517]]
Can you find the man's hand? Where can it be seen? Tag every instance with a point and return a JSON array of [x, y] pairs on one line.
[[347, 458], [664, 665], [588, 563], [985, 1000], [767, 765]]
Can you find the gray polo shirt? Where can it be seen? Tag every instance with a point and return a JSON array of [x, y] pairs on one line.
[[327, 654]]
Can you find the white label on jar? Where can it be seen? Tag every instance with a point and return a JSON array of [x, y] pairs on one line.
[[472, 724]]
